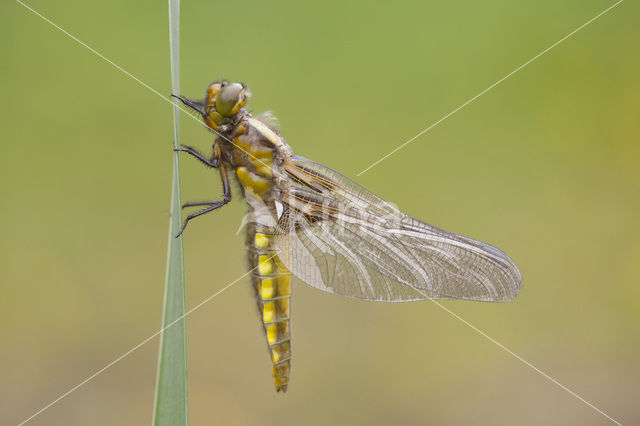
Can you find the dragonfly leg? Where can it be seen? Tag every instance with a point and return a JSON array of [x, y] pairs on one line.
[[211, 205], [213, 162], [199, 203]]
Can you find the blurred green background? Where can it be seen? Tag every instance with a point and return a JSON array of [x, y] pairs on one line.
[[545, 166]]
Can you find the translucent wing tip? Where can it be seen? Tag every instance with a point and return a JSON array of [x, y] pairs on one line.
[[513, 281]]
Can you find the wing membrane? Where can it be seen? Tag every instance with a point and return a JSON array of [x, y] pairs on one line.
[[338, 237]]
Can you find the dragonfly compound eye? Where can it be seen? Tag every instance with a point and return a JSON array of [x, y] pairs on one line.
[[212, 92], [231, 98]]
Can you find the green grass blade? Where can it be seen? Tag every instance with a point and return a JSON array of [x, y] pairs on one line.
[[171, 402]]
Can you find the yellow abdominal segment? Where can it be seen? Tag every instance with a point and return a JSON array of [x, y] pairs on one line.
[[272, 334], [265, 265], [268, 312], [261, 241], [273, 288], [267, 288]]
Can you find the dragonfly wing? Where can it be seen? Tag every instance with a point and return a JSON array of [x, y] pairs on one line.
[[338, 237]]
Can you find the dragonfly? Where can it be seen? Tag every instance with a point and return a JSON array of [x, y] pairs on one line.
[[309, 221]]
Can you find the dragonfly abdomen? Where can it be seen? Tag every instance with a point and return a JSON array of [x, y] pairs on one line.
[[272, 285]]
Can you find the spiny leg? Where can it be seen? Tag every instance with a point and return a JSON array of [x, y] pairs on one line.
[[213, 162], [199, 203], [212, 205], [211, 208]]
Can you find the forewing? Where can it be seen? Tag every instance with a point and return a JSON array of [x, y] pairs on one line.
[[338, 237]]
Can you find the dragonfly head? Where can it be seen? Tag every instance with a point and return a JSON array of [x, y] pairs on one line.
[[227, 98], [222, 101]]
